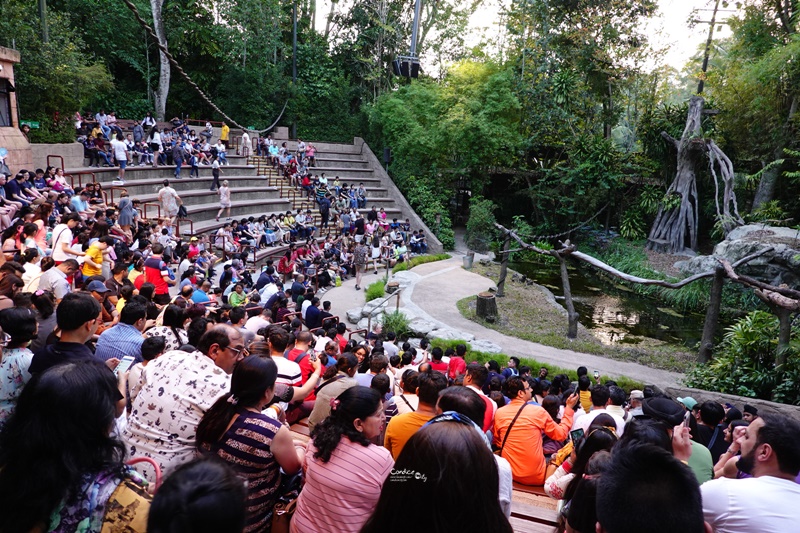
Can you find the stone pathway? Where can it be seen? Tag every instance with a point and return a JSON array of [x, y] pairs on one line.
[[429, 297]]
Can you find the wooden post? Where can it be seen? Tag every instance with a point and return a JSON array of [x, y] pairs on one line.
[[486, 306], [501, 283], [712, 316]]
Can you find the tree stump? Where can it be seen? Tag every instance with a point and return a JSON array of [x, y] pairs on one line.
[[392, 287], [486, 306]]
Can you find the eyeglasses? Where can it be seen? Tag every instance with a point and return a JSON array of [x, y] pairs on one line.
[[239, 352]]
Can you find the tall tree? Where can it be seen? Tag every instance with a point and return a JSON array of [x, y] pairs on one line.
[[164, 69]]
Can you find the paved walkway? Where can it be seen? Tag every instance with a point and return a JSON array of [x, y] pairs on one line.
[[433, 294]]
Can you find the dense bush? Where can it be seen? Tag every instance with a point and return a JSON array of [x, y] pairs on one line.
[[375, 290], [397, 322], [744, 363]]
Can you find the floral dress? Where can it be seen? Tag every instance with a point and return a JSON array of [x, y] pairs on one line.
[[14, 375]]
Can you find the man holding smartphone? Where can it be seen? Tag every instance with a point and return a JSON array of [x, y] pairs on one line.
[[124, 338]]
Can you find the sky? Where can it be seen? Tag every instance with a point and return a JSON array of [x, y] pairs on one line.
[[669, 29]]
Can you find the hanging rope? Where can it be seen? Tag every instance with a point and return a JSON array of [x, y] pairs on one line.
[[186, 77], [567, 232]]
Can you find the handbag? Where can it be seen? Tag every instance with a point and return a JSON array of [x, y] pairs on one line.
[[286, 503], [182, 213]]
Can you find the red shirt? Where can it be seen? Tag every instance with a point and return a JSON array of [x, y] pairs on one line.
[[439, 366], [342, 342], [154, 271], [456, 367], [306, 370]]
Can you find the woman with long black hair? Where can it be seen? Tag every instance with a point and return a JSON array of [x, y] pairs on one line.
[[255, 445]]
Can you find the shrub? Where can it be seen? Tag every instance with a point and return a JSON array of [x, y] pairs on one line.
[[375, 290], [480, 229], [419, 260], [482, 357], [745, 363], [397, 322]]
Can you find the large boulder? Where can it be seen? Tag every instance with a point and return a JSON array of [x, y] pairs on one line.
[[779, 265], [421, 327], [374, 307], [405, 278], [450, 335], [354, 315], [482, 345]]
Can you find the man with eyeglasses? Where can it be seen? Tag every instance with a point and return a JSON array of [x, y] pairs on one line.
[[176, 390]]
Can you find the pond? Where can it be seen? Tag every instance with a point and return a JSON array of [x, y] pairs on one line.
[[614, 313]]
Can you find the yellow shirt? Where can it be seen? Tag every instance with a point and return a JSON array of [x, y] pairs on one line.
[[225, 133], [120, 304], [586, 400], [401, 428], [95, 254]]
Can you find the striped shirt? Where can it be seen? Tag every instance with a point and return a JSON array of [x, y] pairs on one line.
[[288, 372], [340, 495]]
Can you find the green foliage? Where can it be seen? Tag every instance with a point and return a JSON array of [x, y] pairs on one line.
[[632, 225], [419, 260], [744, 363], [53, 131], [398, 322], [769, 213], [375, 290], [483, 357], [480, 225]]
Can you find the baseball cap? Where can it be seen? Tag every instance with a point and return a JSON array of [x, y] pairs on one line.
[[688, 402], [663, 409], [750, 410], [637, 395], [96, 286]]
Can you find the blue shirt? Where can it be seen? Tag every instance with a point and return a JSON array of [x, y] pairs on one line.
[[200, 297], [78, 204], [119, 341]]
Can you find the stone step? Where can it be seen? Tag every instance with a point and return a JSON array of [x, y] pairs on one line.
[[138, 188], [202, 196], [109, 174], [339, 163], [239, 209]]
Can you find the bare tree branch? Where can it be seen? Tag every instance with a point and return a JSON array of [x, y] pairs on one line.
[[754, 283]]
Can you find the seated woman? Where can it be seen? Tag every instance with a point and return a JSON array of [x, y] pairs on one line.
[[448, 461], [20, 324], [338, 497], [60, 467], [172, 328], [257, 446]]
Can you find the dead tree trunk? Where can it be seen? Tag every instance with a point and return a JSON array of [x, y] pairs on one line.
[[712, 316], [675, 228], [572, 315], [501, 283], [486, 306]]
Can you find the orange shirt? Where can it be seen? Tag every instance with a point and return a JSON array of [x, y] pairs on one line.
[[401, 428], [524, 445]]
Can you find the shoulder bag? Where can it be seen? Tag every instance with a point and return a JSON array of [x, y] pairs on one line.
[[505, 438]]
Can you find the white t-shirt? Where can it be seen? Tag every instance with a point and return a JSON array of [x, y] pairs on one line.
[[584, 421], [256, 323], [61, 234], [288, 372], [765, 504], [120, 150]]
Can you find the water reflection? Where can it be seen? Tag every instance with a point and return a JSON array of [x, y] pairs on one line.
[[615, 314]]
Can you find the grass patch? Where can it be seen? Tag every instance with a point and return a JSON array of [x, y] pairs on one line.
[[526, 312], [375, 290], [482, 357], [419, 260]]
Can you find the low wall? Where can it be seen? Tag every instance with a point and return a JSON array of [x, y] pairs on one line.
[[434, 244], [71, 152], [763, 406]]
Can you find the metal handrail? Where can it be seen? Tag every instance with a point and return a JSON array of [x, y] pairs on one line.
[[178, 225], [146, 204], [80, 173], [54, 156]]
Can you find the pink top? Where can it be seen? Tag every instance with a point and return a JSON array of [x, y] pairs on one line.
[[340, 495]]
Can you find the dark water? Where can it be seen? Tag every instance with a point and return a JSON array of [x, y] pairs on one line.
[[615, 314]]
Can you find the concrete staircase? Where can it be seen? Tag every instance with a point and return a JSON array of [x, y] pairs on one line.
[[257, 189]]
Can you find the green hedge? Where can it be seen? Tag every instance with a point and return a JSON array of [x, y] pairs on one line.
[[419, 260]]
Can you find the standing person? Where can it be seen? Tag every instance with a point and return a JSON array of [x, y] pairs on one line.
[[170, 201], [154, 142], [338, 497], [246, 144], [255, 445], [177, 157], [127, 214], [224, 199], [224, 135], [215, 172], [121, 155], [360, 261]]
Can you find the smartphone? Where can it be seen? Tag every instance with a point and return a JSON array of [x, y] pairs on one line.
[[596, 374], [313, 357], [124, 364], [575, 436]]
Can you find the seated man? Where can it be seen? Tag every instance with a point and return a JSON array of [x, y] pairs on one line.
[[402, 427], [767, 501], [176, 390], [124, 338], [521, 443]]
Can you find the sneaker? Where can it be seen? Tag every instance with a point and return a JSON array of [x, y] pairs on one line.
[[358, 288]]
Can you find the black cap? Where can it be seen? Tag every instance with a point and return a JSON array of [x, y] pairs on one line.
[[664, 409]]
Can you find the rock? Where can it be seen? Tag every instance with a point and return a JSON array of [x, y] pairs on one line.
[[373, 307], [405, 278], [779, 265], [451, 335], [421, 327], [485, 346], [414, 341], [365, 323], [354, 315]]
